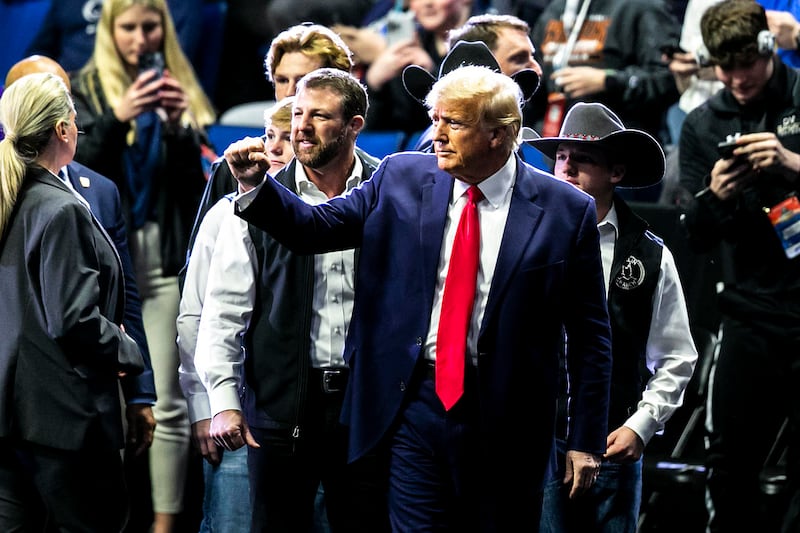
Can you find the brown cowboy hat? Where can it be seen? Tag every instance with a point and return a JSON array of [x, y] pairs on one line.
[[418, 81], [592, 122]]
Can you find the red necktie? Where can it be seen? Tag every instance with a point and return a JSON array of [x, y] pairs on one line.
[[459, 295]]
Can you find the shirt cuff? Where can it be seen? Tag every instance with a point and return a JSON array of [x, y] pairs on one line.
[[224, 398], [199, 408], [244, 199], [643, 424]]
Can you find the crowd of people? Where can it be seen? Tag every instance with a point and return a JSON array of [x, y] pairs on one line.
[[288, 334]]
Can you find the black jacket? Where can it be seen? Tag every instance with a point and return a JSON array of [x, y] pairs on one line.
[[759, 278], [639, 87]]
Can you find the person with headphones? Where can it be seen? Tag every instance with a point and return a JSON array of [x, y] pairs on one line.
[[740, 159]]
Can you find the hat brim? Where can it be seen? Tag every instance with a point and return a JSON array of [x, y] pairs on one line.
[[418, 82], [528, 134], [644, 159], [528, 81]]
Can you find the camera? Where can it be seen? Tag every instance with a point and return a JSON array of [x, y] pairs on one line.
[[152, 61]]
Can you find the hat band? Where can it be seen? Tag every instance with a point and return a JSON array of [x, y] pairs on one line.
[[584, 136]]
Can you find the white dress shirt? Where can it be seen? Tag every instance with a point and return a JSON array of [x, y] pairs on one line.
[[334, 283], [191, 305], [670, 352], [230, 297], [492, 214]]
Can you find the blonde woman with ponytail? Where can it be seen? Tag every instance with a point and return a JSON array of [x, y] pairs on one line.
[[61, 351], [144, 128]]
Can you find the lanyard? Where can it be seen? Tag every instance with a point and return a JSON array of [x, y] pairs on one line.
[[573, 25]]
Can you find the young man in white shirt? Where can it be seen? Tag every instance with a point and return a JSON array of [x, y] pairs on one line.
[[653, 352]]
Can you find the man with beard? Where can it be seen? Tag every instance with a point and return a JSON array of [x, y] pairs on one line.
[[294, 335]]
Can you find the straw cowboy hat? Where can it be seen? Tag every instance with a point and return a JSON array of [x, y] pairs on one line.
[[418, 81], [594, 123]]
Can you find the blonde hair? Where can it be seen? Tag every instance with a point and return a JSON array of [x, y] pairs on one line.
[[30, 110], [312, 40], [280, 114], [114, 78], [493, 99]]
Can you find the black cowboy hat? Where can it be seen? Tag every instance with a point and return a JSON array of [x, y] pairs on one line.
[[595, 123], [418, 81]]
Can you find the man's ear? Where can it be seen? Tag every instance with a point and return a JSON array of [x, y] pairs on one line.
[[498, 136], [617, 173], [357, 124]]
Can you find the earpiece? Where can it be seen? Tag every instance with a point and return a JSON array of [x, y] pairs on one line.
[[702, 56], [766, 43]]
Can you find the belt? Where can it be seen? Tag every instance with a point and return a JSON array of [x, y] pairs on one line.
[[330, 379]]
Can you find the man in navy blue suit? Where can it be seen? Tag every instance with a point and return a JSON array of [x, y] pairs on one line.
[[102, 196], [478, 464]]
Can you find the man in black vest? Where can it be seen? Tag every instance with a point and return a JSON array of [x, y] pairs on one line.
[[293, 312], [653, 352]]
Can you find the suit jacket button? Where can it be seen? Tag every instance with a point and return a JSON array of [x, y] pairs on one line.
[[402, 386], [419, 341]]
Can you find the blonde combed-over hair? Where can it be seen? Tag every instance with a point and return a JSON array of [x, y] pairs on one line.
[[495, 99]]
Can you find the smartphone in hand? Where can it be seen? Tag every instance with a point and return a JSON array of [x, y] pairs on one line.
[[400, 26], [725, 149], [670, 50], [152, 61]]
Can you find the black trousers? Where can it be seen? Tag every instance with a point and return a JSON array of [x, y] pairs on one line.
[[44, 489], [286, 471], [754, 387]]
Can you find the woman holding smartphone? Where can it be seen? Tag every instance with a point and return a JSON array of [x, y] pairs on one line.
[[144, 128]]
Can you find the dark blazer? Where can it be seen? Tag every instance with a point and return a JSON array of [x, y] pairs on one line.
[[103, 197], [548, 279], [63, 296]]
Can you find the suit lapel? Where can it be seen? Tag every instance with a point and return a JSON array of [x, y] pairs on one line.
[[434, 204], [523, 218], [56, 182]]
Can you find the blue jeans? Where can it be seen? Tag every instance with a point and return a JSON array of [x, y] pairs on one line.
[[226, 501], [611, 505]]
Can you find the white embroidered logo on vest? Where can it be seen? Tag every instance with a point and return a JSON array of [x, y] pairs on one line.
[[631, 275]]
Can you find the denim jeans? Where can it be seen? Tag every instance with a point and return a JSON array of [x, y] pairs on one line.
[[226, 501], [611, 505]]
